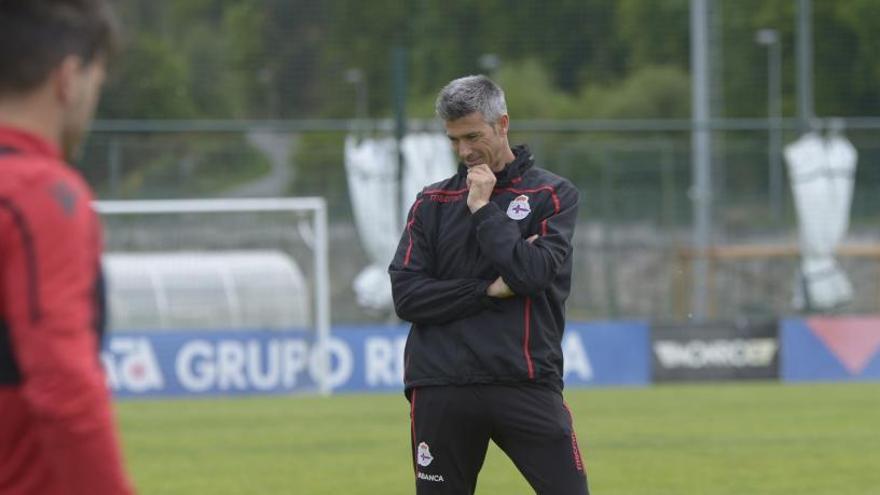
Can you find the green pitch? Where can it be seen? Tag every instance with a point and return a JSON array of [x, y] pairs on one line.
[[712, 439]]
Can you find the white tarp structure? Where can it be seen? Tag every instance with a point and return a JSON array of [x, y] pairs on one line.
[[224, 290], [822, 172], [371, 166]]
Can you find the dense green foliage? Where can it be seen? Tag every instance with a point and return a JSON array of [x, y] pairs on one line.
[[562, 59], [763, 438]]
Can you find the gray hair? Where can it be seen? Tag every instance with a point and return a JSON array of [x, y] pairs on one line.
[[470, 94]]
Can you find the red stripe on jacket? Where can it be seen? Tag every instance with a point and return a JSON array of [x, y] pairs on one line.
[[409, 231], [526, 352]]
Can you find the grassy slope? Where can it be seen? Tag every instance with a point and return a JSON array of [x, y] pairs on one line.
[[696, 439]]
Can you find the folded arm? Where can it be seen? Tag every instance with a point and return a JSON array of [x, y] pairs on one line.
[[529, 267], [419, 297]]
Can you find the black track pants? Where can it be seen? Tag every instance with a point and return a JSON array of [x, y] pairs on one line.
[[452, 426]]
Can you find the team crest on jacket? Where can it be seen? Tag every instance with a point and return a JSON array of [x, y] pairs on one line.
[[519, 208], [424, 457]]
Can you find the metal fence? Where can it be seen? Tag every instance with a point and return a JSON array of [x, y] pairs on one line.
[[636, 210]]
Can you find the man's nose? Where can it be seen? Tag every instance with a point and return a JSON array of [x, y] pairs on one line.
[[463, 150]]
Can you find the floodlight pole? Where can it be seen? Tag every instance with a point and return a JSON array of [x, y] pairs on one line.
[[701, 149], [771, 39], [399, 100], [355, 76], [805, 110]]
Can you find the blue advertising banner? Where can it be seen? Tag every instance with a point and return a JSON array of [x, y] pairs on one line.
[[831, 349], [607, 353], [209, 363], [362, 359]]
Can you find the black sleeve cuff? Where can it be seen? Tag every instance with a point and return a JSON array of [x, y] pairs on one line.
[[486, 212], [486, 301]]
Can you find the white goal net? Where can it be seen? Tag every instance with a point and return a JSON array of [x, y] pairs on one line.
[[226, 265]]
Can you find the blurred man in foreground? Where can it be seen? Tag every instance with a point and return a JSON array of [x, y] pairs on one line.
[[482, 272], [57, 432]]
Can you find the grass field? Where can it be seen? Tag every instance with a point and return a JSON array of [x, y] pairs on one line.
[[752, 439]]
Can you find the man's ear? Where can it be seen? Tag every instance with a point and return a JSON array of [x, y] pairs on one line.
[[66, 78], [503, 124]]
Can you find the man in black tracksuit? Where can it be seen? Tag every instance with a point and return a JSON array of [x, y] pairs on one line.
[[482, 271]]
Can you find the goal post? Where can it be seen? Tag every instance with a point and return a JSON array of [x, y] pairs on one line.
[[314, 234]]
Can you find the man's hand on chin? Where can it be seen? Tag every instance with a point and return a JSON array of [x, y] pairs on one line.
[[480, 182]]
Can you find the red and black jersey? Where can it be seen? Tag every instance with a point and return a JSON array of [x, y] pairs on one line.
[[447, 258], [57, 432]]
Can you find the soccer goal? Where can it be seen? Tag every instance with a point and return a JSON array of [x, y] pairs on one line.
[[227, 266]]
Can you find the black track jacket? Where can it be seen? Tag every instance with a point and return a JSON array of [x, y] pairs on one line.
[[446, 259]]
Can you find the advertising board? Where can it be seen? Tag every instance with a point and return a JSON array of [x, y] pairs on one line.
[[362, 359], [715, 351], [831, 349]]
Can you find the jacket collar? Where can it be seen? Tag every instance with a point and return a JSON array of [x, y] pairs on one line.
[[523, 160], [25, 142]]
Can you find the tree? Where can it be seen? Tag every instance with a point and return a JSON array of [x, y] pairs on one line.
[[152, 80]]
